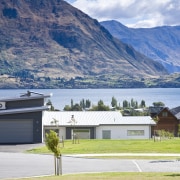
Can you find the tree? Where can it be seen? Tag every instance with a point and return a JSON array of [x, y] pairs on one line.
[[85, 104], [53, 144], [136, 104], [125, 104], [82, 104], [49, 103], [143, 104], [88, 103], [114, 102], [67, 108], [72, 103], [100, 107], [158, 104], [76, 107], [132, 103]]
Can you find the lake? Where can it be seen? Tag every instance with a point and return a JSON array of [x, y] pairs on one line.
[[61, 97]]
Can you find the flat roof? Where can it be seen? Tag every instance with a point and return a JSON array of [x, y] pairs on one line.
[[24, 98], [23, 110]]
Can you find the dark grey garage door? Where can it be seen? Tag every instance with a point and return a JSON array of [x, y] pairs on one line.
[[16, 131]]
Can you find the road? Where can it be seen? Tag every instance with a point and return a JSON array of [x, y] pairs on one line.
[[18, 164]]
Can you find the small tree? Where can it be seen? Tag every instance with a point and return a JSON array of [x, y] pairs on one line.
[[143, 104], [67, 108], [53, 144], [49, 103], [100, 107], [114, 102], [88, 103], [76, 107], [82, 104], [158, 104], [125, 104], [72, 103]]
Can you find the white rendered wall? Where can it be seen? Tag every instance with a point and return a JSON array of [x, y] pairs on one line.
[[120, 132]]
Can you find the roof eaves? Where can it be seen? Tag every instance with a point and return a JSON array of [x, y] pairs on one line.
[[23, 110], [24, 98]]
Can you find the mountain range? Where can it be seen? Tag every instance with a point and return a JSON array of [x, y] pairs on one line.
[[160, 43], [49, 43]]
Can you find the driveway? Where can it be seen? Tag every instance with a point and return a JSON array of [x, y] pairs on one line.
[[19, 147]]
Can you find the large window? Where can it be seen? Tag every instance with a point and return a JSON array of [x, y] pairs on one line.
[[135, 132]]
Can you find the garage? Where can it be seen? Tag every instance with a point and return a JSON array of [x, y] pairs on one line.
[[21, 118], [16, 131]]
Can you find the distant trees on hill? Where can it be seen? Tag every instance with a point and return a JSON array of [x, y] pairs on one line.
[[131, 107], [83, 104]]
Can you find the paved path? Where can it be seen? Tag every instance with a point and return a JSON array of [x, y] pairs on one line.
[[16, 165], [129, 154]]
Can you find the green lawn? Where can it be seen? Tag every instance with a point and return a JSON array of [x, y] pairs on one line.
[[117, 146], [114, 176]]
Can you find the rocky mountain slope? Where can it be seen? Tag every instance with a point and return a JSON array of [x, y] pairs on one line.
[[50, 39], [160, 43]]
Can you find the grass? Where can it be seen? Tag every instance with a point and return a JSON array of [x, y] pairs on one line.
[[116, 146], [114, 176]]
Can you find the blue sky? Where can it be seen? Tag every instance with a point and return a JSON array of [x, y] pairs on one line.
[[132, 13]]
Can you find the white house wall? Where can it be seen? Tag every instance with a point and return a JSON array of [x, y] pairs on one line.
[[120, 132], [62, 131]]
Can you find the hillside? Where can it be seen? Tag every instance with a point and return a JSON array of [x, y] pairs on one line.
[[48, 40], [160, 43]]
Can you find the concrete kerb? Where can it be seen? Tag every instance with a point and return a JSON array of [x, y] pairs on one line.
[[127, 154]]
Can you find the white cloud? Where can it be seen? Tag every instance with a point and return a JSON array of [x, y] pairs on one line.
[[134, 13]]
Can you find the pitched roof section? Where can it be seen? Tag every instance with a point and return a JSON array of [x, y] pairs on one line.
[[176, 112], [155, 109], [94, 118]]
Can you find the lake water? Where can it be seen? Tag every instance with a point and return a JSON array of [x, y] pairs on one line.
[[61, 97]]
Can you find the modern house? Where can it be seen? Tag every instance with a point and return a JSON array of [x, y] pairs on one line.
[[97, 125], [21, 118]]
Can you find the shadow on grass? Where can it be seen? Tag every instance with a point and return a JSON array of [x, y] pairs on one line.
[[172, 175]]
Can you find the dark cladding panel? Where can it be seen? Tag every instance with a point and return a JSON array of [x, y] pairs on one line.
[[24, 103]]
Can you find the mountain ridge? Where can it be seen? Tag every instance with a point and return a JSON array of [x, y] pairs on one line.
[[48, 40], [159, 43]]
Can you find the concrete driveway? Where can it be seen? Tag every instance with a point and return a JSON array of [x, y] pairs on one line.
[[19, 147]]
